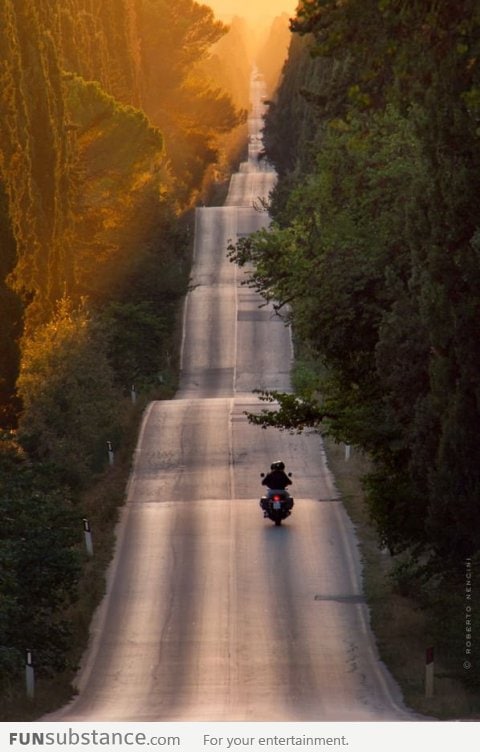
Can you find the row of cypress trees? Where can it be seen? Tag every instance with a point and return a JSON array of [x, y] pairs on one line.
[[109, 127], [375, 246]]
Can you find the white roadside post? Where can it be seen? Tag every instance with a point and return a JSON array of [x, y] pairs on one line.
[[348, 450], [30, 676], [133, 394], [88, 536], [111, 456], [429, 672]]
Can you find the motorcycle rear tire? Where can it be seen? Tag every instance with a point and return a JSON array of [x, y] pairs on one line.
[[278, 521]]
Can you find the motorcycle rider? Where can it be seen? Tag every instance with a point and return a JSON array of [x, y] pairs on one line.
[[275, 480]]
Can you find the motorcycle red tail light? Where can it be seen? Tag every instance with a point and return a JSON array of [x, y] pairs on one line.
[[277, 498]]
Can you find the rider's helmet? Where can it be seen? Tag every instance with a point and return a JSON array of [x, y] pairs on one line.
[[277, 465]]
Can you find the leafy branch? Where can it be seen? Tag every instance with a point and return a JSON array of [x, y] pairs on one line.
[[294, 414]]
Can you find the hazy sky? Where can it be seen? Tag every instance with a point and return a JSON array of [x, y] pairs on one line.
[[252, 10]]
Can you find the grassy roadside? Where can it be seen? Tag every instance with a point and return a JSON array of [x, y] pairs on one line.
[[402, 628]]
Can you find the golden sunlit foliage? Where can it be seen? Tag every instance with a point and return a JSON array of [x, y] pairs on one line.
[[84, 171], [108, 127], [228, 67], [180, 98], [66, 382], [100, 42], [36, 159], [124, 181]]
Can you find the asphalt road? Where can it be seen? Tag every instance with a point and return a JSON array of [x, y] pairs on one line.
[[212, 612]]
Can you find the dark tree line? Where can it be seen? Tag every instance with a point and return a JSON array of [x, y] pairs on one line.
[[376, 246]]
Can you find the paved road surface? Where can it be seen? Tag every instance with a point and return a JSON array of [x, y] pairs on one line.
[[213, 613]]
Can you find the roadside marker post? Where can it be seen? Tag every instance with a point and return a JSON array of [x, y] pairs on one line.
[[133, 394], [30, 676], [111, 456], [348, 451], [429, 672], [88, 536]]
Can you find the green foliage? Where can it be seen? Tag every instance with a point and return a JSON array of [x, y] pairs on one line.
[[373, 255], [292, 414], [39, 565], [452, 620], [284, 145], [140, 321], [374, 247], [137, 339]]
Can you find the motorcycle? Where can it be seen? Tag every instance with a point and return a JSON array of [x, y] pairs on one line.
[[277, 504]]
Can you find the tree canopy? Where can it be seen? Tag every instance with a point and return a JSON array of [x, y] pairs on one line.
[[375, 248], [110, 128]]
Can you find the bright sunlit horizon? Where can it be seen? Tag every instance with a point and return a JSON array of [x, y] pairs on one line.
[[254, 11]]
